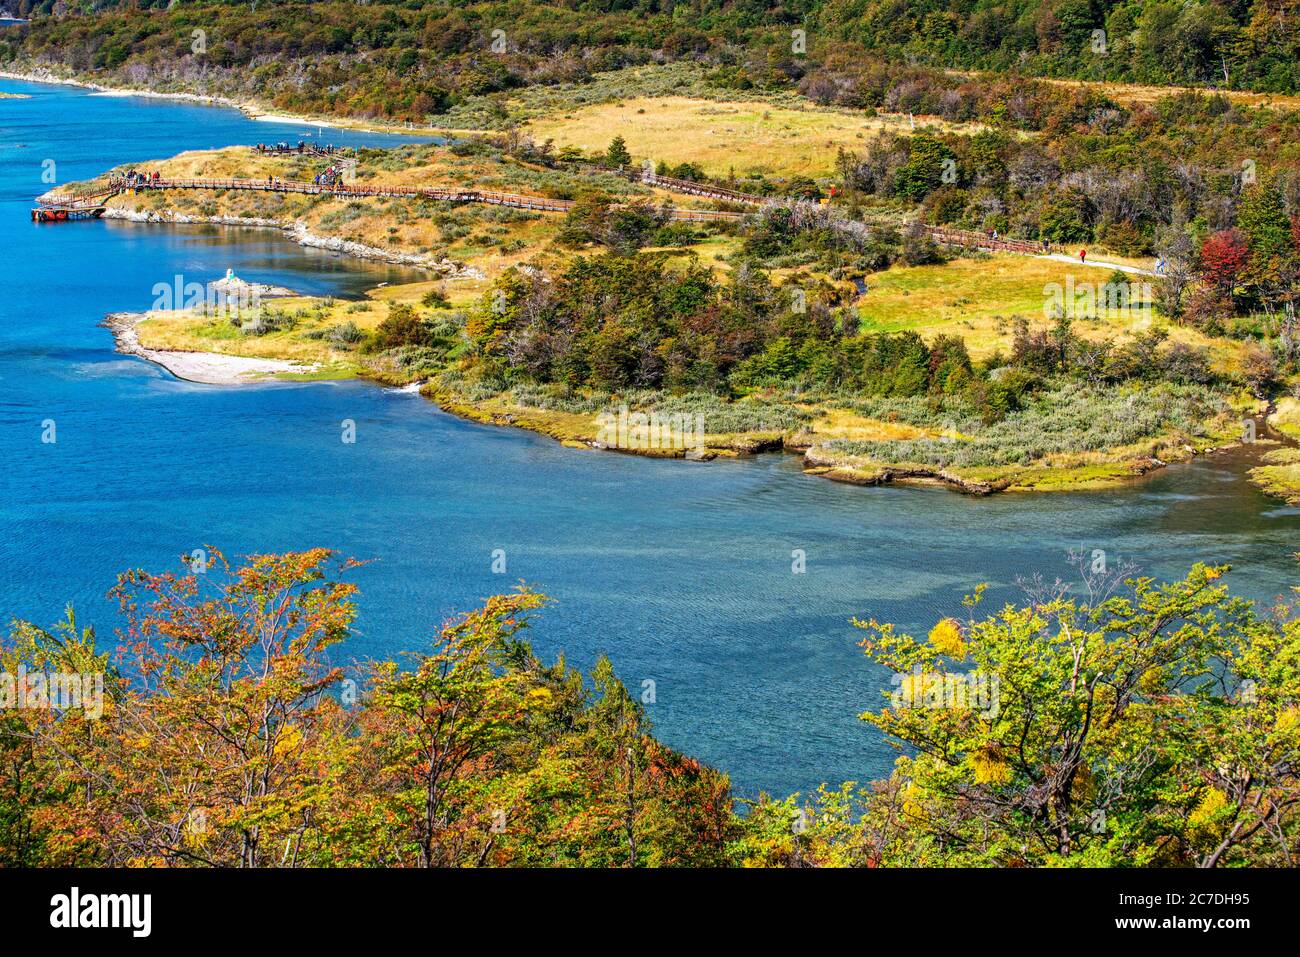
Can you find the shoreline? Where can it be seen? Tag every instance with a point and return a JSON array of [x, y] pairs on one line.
[[1111, 468], [206, 368], [446, 268], [210, 368], [1121, 472], [220, 369], [251, 109]]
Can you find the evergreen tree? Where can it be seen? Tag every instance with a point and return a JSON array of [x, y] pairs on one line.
[[617, 154]]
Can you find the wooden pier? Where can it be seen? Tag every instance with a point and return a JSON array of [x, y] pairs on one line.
[[64, 207]]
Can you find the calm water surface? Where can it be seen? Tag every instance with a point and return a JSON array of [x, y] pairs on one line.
[[680, 572]]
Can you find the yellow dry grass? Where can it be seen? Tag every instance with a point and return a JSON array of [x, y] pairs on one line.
[[1286, 416], [978, 299], [722, 136], [1134, 93], [845, 424], [193, 331]]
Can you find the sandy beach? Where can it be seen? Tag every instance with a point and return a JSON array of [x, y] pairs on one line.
[[208, 368]]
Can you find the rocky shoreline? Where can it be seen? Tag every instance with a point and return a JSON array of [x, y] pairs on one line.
[[445, 268]]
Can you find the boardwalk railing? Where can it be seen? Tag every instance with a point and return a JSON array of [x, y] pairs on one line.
[[449, 194], [687, 186], [701, 189], [974, 240], [77, 200], [940, 234]]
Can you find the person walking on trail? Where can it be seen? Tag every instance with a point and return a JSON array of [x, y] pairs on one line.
[[1083, 255]]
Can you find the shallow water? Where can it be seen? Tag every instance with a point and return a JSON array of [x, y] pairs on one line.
[[681, 572]]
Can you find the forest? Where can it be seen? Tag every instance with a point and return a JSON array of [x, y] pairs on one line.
[[414, 61]]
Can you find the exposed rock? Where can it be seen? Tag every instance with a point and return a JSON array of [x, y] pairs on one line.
[[238, 289], [817, 464]]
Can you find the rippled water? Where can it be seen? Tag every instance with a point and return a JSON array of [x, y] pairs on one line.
[[681, 572]]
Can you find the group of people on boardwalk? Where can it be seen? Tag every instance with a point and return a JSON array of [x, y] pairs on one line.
[[301, 147], [138, 179], [331, 177]]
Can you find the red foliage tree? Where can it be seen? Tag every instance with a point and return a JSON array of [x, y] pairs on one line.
[[1224, 257]]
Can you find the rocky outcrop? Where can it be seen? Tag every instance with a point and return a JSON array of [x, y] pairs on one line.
[[817, 463], [448, 268]]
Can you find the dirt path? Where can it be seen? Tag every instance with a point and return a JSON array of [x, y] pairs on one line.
[[1098, 263]]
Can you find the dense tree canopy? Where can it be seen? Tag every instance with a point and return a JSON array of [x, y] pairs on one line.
[[413, 60]]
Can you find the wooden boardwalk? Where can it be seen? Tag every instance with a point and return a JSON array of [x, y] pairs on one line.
[[57, 206], [973, 240], [446, 194], [705, 190]]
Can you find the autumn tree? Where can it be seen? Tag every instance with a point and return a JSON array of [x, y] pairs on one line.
[[1153, 724], [216, 751], [45, 788], [457, 709], [485, 756], [1224, 257], [403, 326], [207, 745], [227, 736]]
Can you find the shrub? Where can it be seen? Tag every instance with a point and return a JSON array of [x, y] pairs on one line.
[[402, 327], [435, 298]]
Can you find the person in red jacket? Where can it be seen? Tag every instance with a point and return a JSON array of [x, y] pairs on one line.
[[1083, 255]]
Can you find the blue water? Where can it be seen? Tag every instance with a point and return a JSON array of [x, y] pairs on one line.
[[680, 572]]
